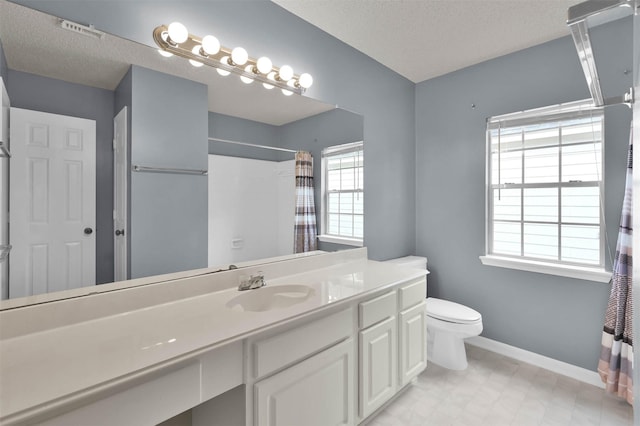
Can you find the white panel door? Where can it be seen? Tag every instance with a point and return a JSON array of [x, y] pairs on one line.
[[52, 202], [378, 365], [413, 342], [316, 392], [120, 171]]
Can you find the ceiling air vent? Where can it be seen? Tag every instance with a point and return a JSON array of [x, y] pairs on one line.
[[88, 31]]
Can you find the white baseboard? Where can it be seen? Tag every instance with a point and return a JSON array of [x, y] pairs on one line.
[[560, 367]]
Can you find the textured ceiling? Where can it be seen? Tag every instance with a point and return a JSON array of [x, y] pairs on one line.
[[422, 39]]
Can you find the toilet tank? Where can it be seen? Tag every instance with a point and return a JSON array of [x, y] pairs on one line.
[[411, 261]]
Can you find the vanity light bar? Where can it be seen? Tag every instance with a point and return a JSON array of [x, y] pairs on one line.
[[174, 39]]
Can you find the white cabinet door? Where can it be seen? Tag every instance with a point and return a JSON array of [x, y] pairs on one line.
[[413, 342], [318, 391], [378, 350]]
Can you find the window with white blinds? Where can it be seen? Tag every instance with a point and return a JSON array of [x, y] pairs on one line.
[[343, 193], [545, 185]]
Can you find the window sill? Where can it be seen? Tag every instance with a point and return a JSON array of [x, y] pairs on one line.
[[578, 272], [341, 240]]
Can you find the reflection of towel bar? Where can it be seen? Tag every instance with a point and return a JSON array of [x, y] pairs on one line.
[[168, 170]]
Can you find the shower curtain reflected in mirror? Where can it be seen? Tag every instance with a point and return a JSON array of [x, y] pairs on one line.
[[616, 358], [305, 222]]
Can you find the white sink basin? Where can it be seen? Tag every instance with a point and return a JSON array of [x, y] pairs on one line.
[[268, 298]]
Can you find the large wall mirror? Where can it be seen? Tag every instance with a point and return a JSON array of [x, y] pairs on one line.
[[52, 70]]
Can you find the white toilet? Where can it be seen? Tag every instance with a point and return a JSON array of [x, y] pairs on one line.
[[448, 324]]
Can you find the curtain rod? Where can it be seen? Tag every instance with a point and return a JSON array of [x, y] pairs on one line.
[[252, 145]]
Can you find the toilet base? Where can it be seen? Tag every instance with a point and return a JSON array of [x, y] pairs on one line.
[[446, 350]]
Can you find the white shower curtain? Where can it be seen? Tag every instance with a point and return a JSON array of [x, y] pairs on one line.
[[616, 357], [305, 219]]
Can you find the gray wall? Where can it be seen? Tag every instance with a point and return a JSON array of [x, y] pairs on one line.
[[37, 93], [168, 227], [557, 317], [342, 76], [238, 129]]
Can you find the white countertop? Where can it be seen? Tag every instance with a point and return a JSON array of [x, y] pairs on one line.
[[39, 367]]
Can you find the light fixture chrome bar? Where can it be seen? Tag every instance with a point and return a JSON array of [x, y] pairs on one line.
[[591, 8], [627, 99], [194, 43], [253, 145], [580, 33], [577, 21], [4, 152], [4, 251], [168, 170]]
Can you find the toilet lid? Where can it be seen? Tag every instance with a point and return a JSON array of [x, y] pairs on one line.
[[451, 311]]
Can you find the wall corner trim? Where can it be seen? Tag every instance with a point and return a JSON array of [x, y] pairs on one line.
[[559, 367]]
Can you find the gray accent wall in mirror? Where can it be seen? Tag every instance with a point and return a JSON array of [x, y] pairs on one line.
[[172, 110]]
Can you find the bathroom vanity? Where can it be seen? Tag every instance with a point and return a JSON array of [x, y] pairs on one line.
[[328, 340]]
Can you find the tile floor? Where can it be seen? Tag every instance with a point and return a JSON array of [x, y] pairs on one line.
[[495, 391]]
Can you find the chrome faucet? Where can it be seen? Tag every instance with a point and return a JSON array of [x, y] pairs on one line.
[[254, 281]]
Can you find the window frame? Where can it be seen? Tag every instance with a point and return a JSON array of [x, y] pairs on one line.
[[555, 113], [326, 154]]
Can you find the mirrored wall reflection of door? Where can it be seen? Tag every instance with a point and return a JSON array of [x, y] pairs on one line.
[[52, 202], [120, 147], [251, 209]]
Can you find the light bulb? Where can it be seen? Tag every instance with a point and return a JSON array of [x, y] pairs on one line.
[[264, 65], [271, 76], [178, 33], [305, 80], [239, 56], [247, 80], [222, 72], [287, 92], [195, 51], [210, 45], [285, 73], [165, 53]]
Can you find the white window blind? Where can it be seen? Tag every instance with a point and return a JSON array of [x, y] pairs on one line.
[[545, 185], [343, 186]]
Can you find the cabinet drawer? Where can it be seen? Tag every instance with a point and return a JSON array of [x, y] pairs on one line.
[[278, 351], [378, 309], [412, 293]]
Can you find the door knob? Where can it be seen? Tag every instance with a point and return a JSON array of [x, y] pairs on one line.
[[119, 232], [88, 231]]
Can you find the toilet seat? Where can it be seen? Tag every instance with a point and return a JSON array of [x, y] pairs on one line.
[[445, 310]]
